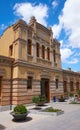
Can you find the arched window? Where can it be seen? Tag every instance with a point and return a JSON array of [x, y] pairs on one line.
[[43, 52], [37, 49], [48, 53], [29, 47], [54, 55]]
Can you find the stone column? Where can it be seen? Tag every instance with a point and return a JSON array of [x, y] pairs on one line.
[[40, 50], [45, 53]]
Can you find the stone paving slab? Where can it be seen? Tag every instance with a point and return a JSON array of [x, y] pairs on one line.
[[70, 120]]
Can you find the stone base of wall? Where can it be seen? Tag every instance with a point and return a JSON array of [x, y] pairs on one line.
[[4, 108]]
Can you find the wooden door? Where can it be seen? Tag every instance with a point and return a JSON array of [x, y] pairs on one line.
[[47, 90], [0, 85]]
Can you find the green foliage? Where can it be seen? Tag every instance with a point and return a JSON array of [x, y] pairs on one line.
[[20, 109], [42, 98], [74, 102], [71, 94], [37, 99], [79, 93], [50, 109]]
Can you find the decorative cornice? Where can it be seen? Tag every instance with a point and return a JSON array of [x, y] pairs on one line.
[[46, 30], [20, 23], [68, 72], [19, 79], [36, 66], [6, 60], [19, 39]]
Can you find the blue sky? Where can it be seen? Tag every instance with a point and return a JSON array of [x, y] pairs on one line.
[[62, 15]]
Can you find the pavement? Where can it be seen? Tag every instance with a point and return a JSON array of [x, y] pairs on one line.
[[70, 120]]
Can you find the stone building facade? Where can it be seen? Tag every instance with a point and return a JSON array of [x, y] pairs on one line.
[[30, 64]]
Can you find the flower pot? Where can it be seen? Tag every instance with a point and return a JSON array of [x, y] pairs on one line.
[[41, 103], [19, 116]]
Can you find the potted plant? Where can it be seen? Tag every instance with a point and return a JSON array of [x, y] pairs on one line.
[[61, 99], [39, 100], [19, 112], [71, 95]]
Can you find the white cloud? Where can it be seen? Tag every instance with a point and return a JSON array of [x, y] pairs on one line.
[[26, 10], [56, 30], [55, 4], [69, 20], [2, 26], [77, 54], [73, 61], [61, 43], [65, 54]]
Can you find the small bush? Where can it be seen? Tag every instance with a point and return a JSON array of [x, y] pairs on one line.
[[20, 109], [37, 99], [42, 98], [71, 94]]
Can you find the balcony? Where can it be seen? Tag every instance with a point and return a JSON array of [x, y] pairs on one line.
[[44, 62], [30, 58]]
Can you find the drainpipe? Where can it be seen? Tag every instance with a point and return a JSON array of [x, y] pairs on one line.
[[11, 85]]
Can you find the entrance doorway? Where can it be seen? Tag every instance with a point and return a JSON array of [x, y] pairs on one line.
[[45, 89]]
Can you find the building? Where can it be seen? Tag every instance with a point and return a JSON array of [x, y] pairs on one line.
[[30, 64]]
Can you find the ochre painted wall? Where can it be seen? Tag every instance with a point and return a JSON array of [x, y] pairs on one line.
[[6, 40]]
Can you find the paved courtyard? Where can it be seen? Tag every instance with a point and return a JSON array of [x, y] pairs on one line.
[[70, 120]]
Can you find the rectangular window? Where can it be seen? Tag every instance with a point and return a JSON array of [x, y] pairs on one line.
[[65, 86], [77, 85], [54, 55], [43, 52], [37, 49], [11, 50], [57, 83], [71, 86], [29, 47], [29, 82]]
